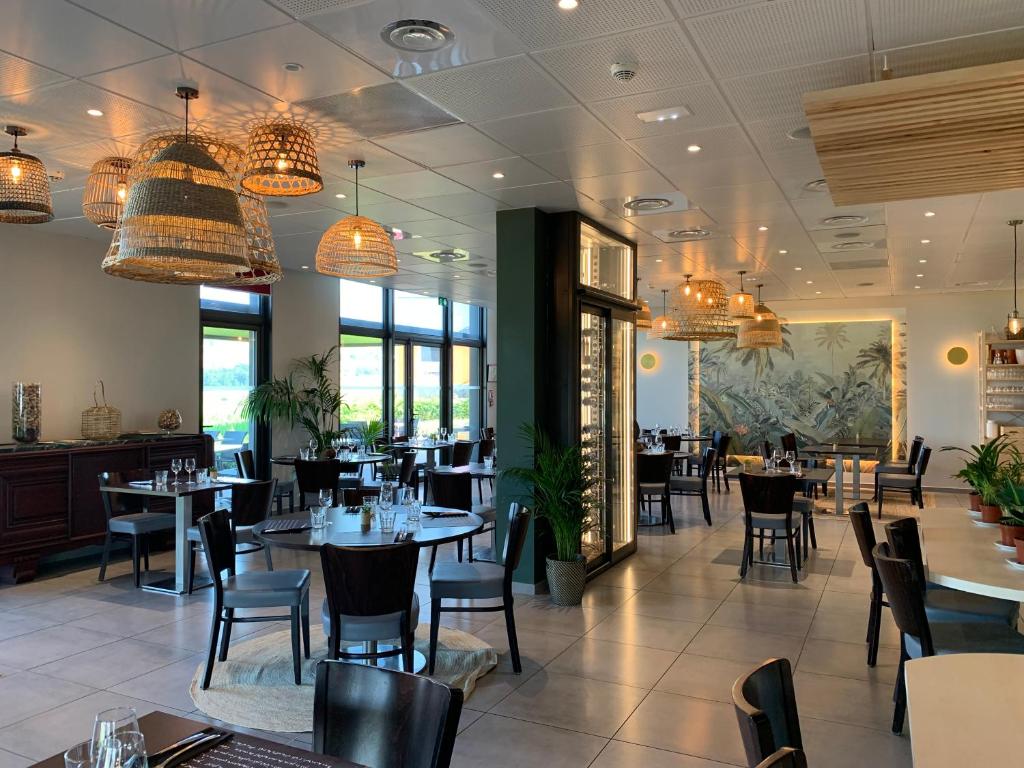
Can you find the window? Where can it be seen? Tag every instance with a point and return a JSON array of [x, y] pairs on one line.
[[362, 377], [229, 373], [418, 314], [361, 304], [466, 321], [426, 388], [466, 395], [228, 300]]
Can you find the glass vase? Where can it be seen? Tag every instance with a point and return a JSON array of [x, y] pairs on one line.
[[26, 412]]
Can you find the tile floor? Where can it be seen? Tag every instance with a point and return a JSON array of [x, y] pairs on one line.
[[640, 674]]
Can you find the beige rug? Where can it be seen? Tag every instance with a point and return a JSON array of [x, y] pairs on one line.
[[255, 687]]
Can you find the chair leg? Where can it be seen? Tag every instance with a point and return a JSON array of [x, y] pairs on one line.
[[268, 557], [810, 529], [881, 492], [145, 550], [225, 636], [471, 549], [135, 560], [900, 695], [792, 556], [874, 627], [458, 546], [191, 566], [435, 625], [296, 631], [748, 550], [408, 652], [920, 499], [513, 638], [106, 555], [666, 507], [760, 543], [305, 625], [279, 500], [725, 476], [214, 634], [706, 507]]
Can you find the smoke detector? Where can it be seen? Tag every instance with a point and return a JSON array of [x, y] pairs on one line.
[[624, 71]]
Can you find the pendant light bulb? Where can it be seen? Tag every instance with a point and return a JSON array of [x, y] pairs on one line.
[[15, 172], [1014, 325], [686, 288], [122, 191], [357, 239]]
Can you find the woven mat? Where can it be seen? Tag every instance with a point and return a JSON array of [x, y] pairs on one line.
[[255, 687]]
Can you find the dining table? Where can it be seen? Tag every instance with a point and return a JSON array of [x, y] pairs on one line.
[[350, 458], [243, 750], [474, 469], [430, 447], [854, 451]]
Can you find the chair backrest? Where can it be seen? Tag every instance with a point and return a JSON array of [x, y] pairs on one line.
[[722, 449], [922, 463], [353, 497], [789, 444], [905, 542], [860, 521], [251, 502], [905, 596], [454, 490], [487, 433], [706, 462], [314, 476], [407, 470], [485, 448], [462, 451], [369, 581], [914, 453], [654, 467], [768, 495], [515, 540], [381, 717], [766, 711], [114, 503], [219, 544], [785, 758], [245, 464], [672, 442], [716, 438]]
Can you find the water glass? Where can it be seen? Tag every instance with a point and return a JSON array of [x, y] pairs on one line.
[[387, 495], [325, 497], [79, 756], [387, 519], [126, 749], [202, 475], [160, 478], [413, 517], [312, 446], [318, 518], [304, 453], [488, 463], [112, 722]]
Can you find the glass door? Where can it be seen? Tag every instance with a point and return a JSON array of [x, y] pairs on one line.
[[399, 421], [466, 401], [229, 374], [426, 387], [594, 424], [622, 512]]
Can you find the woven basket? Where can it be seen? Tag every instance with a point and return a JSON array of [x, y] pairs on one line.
[[101, 422]]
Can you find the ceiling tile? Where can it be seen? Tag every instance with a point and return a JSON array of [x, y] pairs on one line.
[[395, 210], [69, 39], [187, 24], [716, 144], [477, 38], [483, 221], [785, 33], [547, 131], [379, 161], [687, 8], [460, 207], [18, 75], [306, 221], [493, 89], [584, 162], [624, 185], [433, 227], [515, 172], [907, 22], [450, 145], [379, 110], [82, 156], [660, 56], [957, 53], [771, 136], [691, 174], [258, 59], [813, 212], [540, 23], [415, 185], [703, 106], [556, 196]]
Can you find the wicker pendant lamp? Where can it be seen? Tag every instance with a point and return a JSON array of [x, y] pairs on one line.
[[281, 161], [703, 315], [1014, 322], [106, 189], [264, 268], [356, 246], [227, 155], [663, 325], [182, 222], [24, 186], [741, 303], [762, 331], [644, 320]]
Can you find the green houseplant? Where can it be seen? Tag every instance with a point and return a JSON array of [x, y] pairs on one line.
[[563, 489], [370, 433], [305, 397], [981, 469]]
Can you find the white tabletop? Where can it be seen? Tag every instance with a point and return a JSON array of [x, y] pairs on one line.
[[962, 555], [959, 705]]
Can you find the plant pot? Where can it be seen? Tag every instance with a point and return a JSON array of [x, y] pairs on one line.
[[990, 513], [566, 580], [974, 501], [1009, 529], [1019, 544]]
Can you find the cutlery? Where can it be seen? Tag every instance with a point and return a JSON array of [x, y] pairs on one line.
[[166, 751], [193, 749]]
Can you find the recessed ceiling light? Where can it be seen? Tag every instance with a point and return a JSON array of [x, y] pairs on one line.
[[568, 5], [94, 112], [693, 233], [920, 274], [658, 261], [798, 269], [922, 261], [917, 286], [783, 251], [291, 66], [304, 266], [373, 281], [925, 241], [817, 293], [694, 148], [810, 282], [661, 115], [647, 204], [341, 195], [802, 133], [762, 228], [417, 35], [497, 175], [416, 237], [929, 214]]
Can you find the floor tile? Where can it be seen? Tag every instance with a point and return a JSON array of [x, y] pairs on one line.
[[647, 631], [27, 694], [849, 627], [167, 686], [614, 662], [539, 647], [842, 700], [108, 665], [742, 645], [504, 742], [46, 645], [759, 617], [848, 746], [11, 760], [703, 677], [21, 622], [826, 657], [691, 584], [677, 607], [620, 754]]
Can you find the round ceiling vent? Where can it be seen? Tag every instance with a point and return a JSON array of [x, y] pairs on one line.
[[852, 245], [643, 204], [816, 185], [844, 220], [417, 35], [803, 133], [689, 234]]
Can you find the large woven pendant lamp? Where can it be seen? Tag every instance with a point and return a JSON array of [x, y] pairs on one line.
[[356, 246], [281, 160], [182, 222], [1014, 323], [24, 186], [741, 303], [106, 189], [762, 331], [703, 314], [264, 268]]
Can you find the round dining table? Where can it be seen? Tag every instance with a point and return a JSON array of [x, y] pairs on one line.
[[368, 458]]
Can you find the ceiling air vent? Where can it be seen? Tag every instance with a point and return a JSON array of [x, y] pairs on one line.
[[646, 204], [853, 245], [844, 220], [689, 234]]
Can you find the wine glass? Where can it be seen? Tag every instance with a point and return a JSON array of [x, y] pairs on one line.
[[176, 469], [113, 722], [190, 467], [791, 460], [312, 447], [125, 749], [326, 497]]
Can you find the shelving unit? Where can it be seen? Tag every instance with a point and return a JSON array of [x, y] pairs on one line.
[[1002, 386]]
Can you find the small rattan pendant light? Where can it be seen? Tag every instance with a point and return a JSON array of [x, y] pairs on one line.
[[182, 222], [281, 160], [741, 303], [762, 331], [663, 325], [106, 189], [356, 246], [1014, 323], [24, 186]]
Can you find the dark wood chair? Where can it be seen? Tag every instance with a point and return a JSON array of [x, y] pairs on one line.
[[653, 473], [456, 492], [384, 718], [768, 506], [785, 758], [246, 465], [371, 597], [487, 433], [696, 486], [128, 516], [766, 711], [409, 472], [900, 467], [462, 451], [481, 581], [353, 497], [315, 476], [485, 449], [910, 484], [672, 443], [860, 521], [260, 589]]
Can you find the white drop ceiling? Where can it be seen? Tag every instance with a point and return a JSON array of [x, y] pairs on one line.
[[530, 95]]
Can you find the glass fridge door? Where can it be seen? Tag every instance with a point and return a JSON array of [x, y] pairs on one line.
[[593, 424], [622, 455]]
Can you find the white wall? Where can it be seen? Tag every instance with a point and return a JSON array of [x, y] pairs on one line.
[[66, 324], [661, 392]]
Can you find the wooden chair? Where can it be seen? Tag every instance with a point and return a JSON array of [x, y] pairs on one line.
[[903, 483], [695, 486], [462, 451], [262, 589], [768, 506], [246, 465], [315, 476], [653, 473], [128, 516], [900, 467], [383, 718], [766, 711], [456, 492], [785, 758], [720, 442], [485, 448], [860, 521]]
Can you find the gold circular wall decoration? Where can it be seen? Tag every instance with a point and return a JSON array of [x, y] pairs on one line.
[[281, 161], [957, 355], [648, 361]]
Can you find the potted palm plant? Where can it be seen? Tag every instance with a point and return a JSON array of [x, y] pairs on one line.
[[1011, 503], [306, 397], [981, 468], [564, 490], [369, 433]]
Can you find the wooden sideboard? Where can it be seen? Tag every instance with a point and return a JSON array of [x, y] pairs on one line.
[[49, 492]]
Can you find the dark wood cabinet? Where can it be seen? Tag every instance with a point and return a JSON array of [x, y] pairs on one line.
[[49, 495]]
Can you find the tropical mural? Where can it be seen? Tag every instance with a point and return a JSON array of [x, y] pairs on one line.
[[829, 381]]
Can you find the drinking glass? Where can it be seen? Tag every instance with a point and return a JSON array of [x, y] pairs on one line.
[[791, 460], [326, 498], [387, 495], [160, 478], [488, 463], [413, 518], [190, 467], [202, 475], [318, 518], [402, 495], [176, 468], [125, 749], [112, 722], [79, 756], [312, 446], [387, 519]]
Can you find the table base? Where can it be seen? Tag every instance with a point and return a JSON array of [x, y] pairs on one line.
[[167, 584], [419, 661]]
